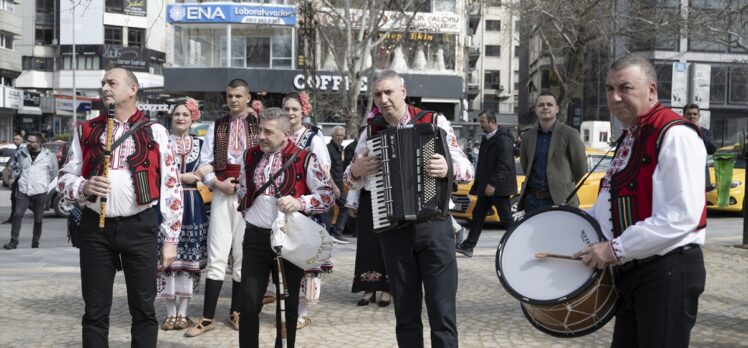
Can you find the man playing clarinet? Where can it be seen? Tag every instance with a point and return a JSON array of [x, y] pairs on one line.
[[142, 173], [420, 255]]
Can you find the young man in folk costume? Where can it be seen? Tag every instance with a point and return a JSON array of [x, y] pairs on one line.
[[142, 173], [421, 255], [220, 165], [652, 209], [304, 187]]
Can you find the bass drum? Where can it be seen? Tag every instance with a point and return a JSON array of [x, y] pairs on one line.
[[563, 298]]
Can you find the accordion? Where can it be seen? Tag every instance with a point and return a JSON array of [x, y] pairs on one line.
[[401, 192]]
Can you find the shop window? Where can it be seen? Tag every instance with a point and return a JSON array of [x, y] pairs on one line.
[[718, 85], [738, 84], [664, 80]]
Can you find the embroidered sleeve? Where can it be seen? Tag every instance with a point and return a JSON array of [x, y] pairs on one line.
[[322, 197], [241, 190], [319, 149], [171, 189], [462, 168], [348, 179], [69, 180], [207, 156]]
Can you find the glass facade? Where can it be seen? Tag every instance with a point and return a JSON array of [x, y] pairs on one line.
[[255, 47]]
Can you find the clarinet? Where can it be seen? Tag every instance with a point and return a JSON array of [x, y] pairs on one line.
[[283, 293], [107, 160]]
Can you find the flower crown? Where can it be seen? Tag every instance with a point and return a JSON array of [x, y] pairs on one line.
[[306, 107], [194, 109]]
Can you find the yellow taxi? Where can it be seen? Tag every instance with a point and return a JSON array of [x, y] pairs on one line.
[[737, 184], [465, 202]]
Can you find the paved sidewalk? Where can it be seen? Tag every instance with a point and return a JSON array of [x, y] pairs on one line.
[[42, 307]]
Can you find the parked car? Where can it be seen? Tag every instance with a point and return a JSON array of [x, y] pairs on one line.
[[465, 202], [59, 148], [199, 129], [737, 184]]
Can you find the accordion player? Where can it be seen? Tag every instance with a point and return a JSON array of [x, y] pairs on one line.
[[401, 191]]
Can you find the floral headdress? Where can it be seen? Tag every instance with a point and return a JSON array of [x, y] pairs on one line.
[[306, 107], [257, 107], [194, 108]]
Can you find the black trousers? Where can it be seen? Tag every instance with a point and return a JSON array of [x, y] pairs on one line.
[[420, 260], [257, 263], [128, 243], [13, 195], [23, 202], [482, 206], [659, 301]]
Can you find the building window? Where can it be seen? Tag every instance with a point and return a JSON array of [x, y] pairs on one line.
[[493, 51], [516, 80], [738, 85], [491, 79], [115, 6], [7, 5], [493, 25], [6, 40], [38, 63], [112, 35], [135, 37], [516, 51], [718, 85], [83, 62], [44, 36], [664, 80]]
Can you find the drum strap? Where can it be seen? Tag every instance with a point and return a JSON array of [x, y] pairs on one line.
[[573, 193]]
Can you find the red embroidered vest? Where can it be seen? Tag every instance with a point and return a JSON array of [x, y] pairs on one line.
[[417, 116], [144, 163], [294, 177], [631, 188], [221, 132]]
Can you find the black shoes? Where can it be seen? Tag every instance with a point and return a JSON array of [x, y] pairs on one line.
[[464, 251], [34, 245], [365, 301], [10, 246], [6, 222]]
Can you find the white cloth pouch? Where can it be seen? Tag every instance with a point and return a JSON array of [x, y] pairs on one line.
[[303, 242]]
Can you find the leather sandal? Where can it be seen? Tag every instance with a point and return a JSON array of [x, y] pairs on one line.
[[168, 323], [202, 327], [182, 323], [302, 324], [235, 320]]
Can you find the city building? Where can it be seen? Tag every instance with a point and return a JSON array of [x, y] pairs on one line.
[[105, 34], [11, 99], [212, 43], [700, 68], [493, 62]]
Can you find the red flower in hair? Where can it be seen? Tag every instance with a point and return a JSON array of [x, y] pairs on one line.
[[306, 107], [194, 108], [257, 107]]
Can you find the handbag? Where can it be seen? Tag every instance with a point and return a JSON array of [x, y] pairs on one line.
[[75, 217], [302, 241]]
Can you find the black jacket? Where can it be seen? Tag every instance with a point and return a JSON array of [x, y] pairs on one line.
[[337, 163], [496, 165], [706, 136]]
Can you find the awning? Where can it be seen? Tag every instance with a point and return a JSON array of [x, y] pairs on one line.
[[440, 100], [30, 110]]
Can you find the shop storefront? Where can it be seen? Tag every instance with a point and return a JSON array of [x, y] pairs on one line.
[[11, 100]]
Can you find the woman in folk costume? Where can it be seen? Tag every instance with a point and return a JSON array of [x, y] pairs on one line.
[[183, 276], [297, 105]]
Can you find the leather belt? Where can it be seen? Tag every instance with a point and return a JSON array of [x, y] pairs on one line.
[[631, 265], [538, 193], [121, 219]]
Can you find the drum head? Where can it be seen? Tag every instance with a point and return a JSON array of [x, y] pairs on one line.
[[558, 230]]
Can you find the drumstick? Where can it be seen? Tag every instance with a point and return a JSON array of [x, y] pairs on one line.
[[557, 256]]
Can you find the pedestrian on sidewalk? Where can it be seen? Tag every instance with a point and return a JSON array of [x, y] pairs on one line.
[[19, 142], [142, 173], [35, 167], [495, 179], [183, 277]]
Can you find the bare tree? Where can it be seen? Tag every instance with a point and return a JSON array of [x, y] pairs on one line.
[[349, 31]]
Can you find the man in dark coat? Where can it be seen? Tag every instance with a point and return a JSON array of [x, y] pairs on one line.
[[495, 179], [692, 113]]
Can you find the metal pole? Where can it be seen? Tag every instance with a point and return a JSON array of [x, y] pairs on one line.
[[74, 67], [745, 195]]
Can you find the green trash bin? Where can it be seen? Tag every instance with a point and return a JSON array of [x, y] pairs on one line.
[[723, 165]]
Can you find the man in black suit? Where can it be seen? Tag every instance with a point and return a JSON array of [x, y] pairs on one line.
[[495, 179]]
